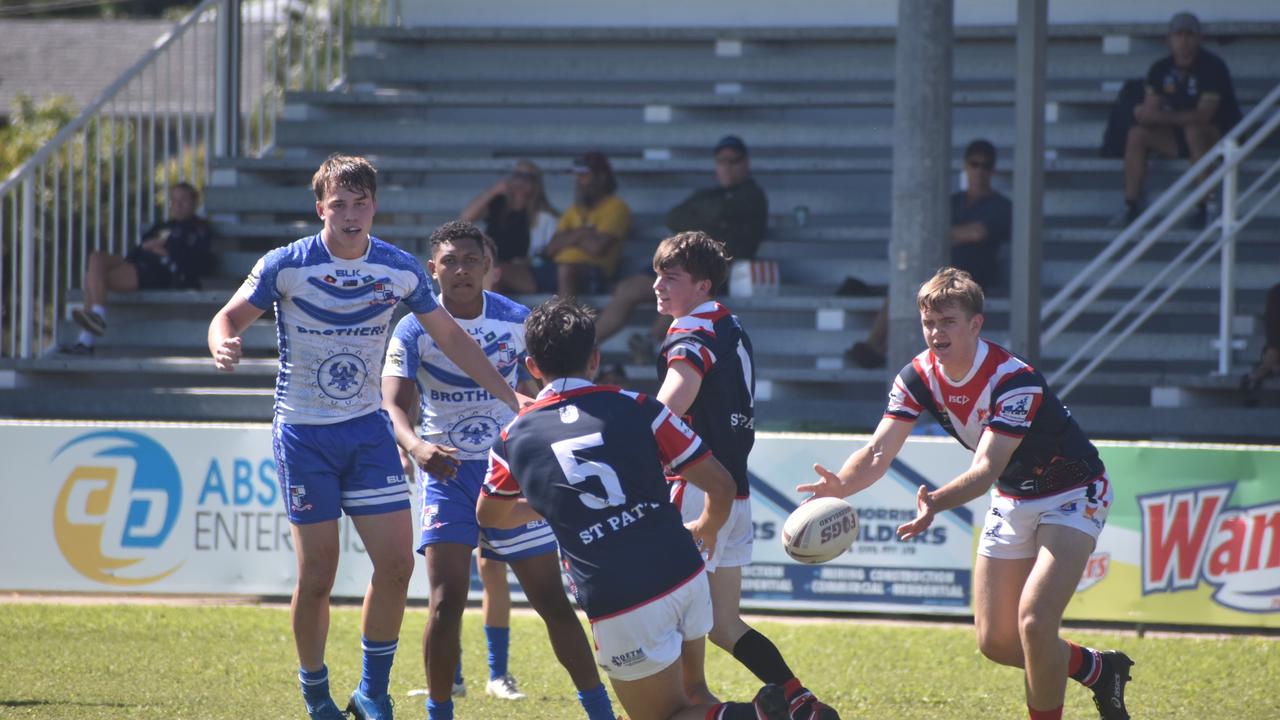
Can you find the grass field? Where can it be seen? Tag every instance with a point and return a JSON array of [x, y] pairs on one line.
[[213, 662]]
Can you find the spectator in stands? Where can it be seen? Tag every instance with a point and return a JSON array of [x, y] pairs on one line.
[[980, 223], [588, 241], [521, 221], [1189, 105], [172, 256], [1269, 364], [735, 211]]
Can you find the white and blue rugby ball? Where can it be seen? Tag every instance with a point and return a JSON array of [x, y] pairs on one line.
[[820, 530]]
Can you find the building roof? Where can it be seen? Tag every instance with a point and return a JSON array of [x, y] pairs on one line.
[[69, 57]]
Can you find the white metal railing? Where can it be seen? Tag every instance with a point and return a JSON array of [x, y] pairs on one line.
[[1220, 168], [211, 86]]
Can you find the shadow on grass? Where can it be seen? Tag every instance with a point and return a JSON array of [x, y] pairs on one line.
[[39, 703]]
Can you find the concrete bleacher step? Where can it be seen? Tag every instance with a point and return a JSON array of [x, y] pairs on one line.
[[488, 136]]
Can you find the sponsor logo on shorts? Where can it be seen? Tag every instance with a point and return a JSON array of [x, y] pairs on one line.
[[629, 658], [117, 508], [1069, 507]]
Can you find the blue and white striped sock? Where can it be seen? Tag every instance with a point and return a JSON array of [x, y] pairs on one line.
[[378, 656], [315, 685]]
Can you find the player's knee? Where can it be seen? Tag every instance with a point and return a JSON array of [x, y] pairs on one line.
[[1036, 630], [395, 568], [999, 650], [314, 586], [447, 604]]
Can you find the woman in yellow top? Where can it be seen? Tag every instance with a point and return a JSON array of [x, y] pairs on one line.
[[588, 241]]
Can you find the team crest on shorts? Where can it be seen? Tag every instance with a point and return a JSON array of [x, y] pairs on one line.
[[297, 499]]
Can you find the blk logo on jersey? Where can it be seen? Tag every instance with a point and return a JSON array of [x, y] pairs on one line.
[[1194, 536]]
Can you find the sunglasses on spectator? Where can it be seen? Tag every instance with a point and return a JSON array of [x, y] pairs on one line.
[[979, 163]]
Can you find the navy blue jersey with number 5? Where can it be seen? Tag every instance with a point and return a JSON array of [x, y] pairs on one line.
[[590, 459]]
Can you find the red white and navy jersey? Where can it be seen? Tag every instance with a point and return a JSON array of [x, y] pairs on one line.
[[590, 459], [1001, 394], [712, 341]]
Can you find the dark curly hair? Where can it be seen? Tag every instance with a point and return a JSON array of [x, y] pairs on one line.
[[559, 335], [455, 230]]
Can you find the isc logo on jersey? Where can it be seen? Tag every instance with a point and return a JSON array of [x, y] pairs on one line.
[[118, 505]]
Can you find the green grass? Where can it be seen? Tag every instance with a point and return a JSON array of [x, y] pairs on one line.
[[209, 663]]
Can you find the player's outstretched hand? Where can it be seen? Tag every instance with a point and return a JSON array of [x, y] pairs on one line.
[[924, 516], [523, 400], [705, 541], [439, 461], [228, 354], [828, 484]]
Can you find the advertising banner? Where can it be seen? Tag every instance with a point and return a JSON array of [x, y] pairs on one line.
[[152, 508], [1193, 537], [930, 574], [1193, 534]]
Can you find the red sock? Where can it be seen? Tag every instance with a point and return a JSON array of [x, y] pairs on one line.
[[1076, 658], [1054, 714]]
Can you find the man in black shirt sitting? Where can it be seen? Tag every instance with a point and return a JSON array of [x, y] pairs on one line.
[[1190, 104], [172, 256]]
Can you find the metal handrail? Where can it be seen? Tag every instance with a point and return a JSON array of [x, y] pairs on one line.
[[1159, 208], [1229, 154]]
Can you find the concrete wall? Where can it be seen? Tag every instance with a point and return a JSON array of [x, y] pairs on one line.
[[755, 13]]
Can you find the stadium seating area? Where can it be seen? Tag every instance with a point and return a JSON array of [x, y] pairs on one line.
[[444, 112]]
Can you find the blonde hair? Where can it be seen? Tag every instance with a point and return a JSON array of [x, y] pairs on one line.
[[951, 287], [538, 202]]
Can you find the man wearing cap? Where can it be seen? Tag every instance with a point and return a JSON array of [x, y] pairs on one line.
[[1190, 104], [588, 241], [735, 211]]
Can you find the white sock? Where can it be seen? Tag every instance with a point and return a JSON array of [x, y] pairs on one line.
[[100, 310], [86, 338]]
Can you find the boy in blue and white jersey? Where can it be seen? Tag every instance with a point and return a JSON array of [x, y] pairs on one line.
[[333, 294], [460, 421]]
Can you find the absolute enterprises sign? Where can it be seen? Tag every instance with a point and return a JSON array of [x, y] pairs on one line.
[[151, 509]]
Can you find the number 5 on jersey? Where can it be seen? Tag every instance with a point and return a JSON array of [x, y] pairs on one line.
[[578, 471]]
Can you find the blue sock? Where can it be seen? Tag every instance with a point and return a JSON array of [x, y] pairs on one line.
[[457, 674], [378, 656], [315, 685], [499, 639], [439, 711], [596, 702]]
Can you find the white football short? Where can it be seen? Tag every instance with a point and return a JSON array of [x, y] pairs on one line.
[[1009, 532], [645, 640], [734, 541]]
